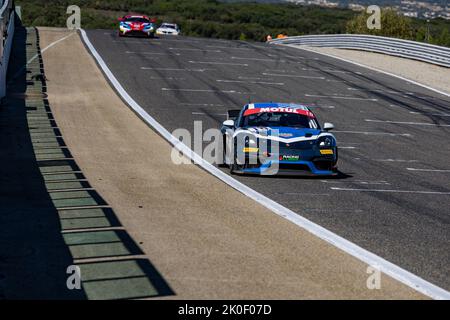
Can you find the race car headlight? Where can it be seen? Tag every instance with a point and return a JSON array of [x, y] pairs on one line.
[[326, 142]]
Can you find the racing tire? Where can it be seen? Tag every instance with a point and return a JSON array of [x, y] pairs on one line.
[[335, 167], [223, 164], [234, 166]]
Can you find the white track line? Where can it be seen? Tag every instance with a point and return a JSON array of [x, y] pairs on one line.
[[329, 70], [232, 48], [202, 104], [37, 55], [49, 46], [251, 82], [411, 123], [154, 53], [205, 114], [258, 59], [192, 49], [392, 191], [319, 106], [372, 133], [428, 170], [285, 56], [367, 257], [431, 114], [377, 90], [291, 76], [175, 69], [205, 90], [356, 182], [340, 97], [395, 160], [167, 78], [220, 63]]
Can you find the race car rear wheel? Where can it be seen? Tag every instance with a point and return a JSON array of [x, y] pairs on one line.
[[234, 165], [222, 162]]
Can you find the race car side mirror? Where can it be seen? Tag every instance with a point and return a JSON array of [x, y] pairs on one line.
[[328, 126], [228, 123]]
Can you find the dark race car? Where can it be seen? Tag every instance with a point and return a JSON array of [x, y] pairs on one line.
[[278, 138], [137, 26]]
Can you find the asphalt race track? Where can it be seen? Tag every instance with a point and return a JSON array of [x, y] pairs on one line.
[[393, 194]]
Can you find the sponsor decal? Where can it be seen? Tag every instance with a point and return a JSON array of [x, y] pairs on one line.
[[289, 158], [326, 151], [251, 150], [307, 113], [286, 135]]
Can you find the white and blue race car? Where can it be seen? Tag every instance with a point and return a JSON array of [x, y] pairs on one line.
[[278, 138]]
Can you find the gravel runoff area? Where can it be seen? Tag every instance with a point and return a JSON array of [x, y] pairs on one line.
[[424, 73]]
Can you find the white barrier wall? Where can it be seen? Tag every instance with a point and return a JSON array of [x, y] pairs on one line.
[[6, 53]]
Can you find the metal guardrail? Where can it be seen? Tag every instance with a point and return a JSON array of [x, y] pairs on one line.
[[7, 16], [392, 46]]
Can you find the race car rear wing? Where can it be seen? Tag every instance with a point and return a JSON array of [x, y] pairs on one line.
[[233, 114]]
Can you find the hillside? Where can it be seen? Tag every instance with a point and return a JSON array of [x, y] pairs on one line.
[[211, 18]]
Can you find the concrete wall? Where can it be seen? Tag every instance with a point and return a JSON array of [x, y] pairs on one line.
[[6, 53]]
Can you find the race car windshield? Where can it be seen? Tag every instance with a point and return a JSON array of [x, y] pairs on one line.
[[142, 20], [279, 119], [168, 26]]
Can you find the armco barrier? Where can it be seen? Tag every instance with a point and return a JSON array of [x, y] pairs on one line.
[[392, 46]]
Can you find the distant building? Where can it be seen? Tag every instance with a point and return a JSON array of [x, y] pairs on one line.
[[410, 8], [356, 7], [411, 14]]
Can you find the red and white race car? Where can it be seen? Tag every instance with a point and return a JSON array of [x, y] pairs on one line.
[[135, 25]]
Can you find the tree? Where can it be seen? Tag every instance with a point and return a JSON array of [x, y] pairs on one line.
[[444, 38], [392, 25]]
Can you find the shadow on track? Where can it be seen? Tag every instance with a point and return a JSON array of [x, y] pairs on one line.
[[339, 176], [51, 217]]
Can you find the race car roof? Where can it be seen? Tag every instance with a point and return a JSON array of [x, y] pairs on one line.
[[166, 24]]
